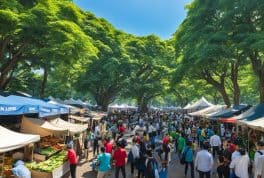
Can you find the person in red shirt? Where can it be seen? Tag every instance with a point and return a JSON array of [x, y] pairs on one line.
[[108, 146], [119, 157], [136, 138], [232, 147], [121, 129], [72, 158], [166, 139]]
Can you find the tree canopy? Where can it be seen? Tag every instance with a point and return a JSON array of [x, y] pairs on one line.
[[54, 48]]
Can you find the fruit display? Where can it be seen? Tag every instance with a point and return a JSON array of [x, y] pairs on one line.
[[7, 166], [50, 164]]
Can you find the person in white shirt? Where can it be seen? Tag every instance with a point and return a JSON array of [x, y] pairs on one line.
[[135, 153], [240, 165], [258, 153], [236, 153], [215, 143], [204, 162], [259, 169]]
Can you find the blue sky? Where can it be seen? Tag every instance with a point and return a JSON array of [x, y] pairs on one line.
[[139, 17]]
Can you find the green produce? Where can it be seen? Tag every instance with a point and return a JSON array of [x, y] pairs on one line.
[[50, 164], [47, 151]]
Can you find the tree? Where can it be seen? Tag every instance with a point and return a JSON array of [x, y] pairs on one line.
[[105, 76], [247, 18], [149, 75], [205, 49]]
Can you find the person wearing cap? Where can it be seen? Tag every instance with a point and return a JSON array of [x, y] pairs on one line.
[[20, 170], [72, 158]]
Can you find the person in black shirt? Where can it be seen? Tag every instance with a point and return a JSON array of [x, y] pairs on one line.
[[223, 168]]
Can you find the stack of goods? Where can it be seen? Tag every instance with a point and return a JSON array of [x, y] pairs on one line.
[[49, 141], [47, 147], [7, 166], [50, 164]]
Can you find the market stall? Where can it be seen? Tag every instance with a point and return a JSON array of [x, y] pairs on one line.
[[77, 132], [198, 105], [208, 110], [257, 124], [78, 119], [9, 142], [41, 127], [73, 128]]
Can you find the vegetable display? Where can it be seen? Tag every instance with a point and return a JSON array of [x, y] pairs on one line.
[[50, 164]]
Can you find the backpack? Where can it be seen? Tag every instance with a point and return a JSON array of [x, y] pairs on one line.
[[182, 161], [152, 169]]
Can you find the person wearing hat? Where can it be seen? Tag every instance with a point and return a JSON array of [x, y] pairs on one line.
[[20, 170], [72, 158]]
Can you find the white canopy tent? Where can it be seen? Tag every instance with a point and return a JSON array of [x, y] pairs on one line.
[[200, 104], [10, 140], [257, 124], [121, 107], [208, 110], [73, 128], [80, 119], [40, 127]]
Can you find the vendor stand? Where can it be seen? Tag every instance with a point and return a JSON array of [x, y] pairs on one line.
[[11, 141]]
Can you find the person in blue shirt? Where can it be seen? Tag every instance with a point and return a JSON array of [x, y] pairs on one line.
[[20, 170], [198, 134], [104, 163], [188, 153]]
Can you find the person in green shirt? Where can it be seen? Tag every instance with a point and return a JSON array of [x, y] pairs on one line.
[[181, 144]]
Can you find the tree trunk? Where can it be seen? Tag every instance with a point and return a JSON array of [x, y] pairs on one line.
[[234, 79], [44, 81], [142, 104], [224, 94], [102, 101], [261, 87], [218, 85], [258, 68]]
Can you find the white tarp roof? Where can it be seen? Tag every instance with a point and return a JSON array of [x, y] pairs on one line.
[[122, 106], [201, 103], [98, 115], [78, 118], [10, 140], [208, 110], [40, 127], [257, 124], [73, 128]]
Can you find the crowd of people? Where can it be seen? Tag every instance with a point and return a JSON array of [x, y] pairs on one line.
[[159, 140]]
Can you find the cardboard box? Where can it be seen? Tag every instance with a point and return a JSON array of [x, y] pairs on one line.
[[39, 157]]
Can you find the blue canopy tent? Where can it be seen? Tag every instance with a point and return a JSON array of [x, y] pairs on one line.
[[256, 113], [9, 106], [235, 110], [44, 109]]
